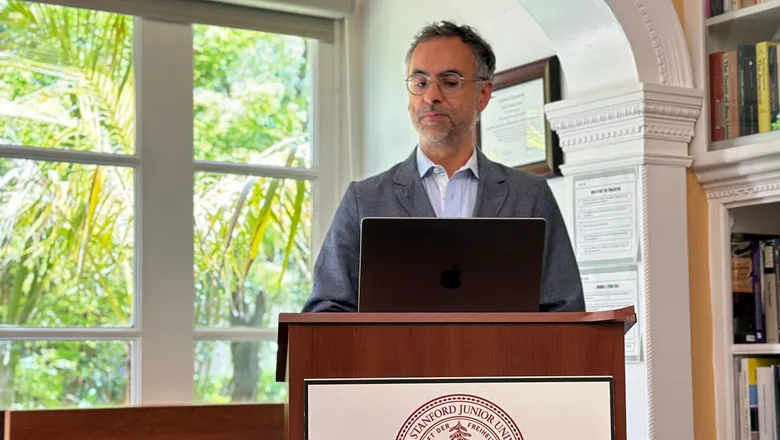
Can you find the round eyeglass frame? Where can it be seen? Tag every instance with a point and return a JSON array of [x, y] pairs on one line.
[[437, 79]]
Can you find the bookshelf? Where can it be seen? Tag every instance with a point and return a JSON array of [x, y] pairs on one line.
[[743, 61], [740, 171], [753, 209], [759, 19], [755, 349], [761, 140]]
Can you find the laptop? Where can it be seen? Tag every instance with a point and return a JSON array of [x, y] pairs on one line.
[[415, 264]]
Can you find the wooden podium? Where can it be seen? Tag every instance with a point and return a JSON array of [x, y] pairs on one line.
[[420, 345]]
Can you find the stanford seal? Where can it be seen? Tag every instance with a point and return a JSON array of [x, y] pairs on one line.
[[459, 417]]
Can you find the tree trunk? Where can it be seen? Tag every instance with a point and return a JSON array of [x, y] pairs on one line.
[[246, 354], [246, 370]]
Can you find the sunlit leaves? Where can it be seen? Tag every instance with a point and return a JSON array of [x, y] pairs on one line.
[[252, 235], [66, 78], [252, 91], [67, 232]]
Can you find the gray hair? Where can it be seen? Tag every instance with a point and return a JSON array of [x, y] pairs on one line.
[[483, 53]]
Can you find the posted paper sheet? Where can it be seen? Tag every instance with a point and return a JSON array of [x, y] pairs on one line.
[[615, 290], [605, 225]]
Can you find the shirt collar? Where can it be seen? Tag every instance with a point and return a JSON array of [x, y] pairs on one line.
[[424, 165]]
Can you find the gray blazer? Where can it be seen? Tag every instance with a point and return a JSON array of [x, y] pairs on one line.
[[399, 192]]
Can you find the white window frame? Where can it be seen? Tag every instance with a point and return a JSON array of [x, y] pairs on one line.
[[163, 333]]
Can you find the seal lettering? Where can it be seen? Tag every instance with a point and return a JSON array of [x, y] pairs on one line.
[[459, 417]]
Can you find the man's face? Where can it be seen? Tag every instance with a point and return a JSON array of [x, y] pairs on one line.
[[440, 115]]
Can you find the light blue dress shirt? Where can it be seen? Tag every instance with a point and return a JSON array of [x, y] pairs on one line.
[[450, 196]]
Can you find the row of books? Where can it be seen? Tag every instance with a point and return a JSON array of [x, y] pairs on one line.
[[718, 7], [757, 391], [755, 264], [744, 95], [755, 279]]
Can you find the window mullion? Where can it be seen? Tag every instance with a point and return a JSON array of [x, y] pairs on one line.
[[64, 155], [275, 172], [165, 305]]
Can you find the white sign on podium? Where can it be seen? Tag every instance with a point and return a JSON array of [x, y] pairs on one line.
[[498, 408]]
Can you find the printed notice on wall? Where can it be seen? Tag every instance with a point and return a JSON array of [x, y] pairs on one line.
[[605, 226], [615, 290]]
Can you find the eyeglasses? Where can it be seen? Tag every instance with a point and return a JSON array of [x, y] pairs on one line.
[[449, 83]]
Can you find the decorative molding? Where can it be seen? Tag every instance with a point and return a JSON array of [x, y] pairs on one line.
[[647, 306], [617, 162], [665, 132], [743, 172], [648, 124], [738, 163], [648, 105], [669, 42], [666, 109], [628, 110], [747, 191], [745, 188], [659, 54]]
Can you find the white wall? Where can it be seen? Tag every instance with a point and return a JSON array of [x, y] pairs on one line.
[[385, 30]]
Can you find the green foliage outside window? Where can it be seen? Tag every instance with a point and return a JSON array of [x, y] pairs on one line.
[[67, 230]]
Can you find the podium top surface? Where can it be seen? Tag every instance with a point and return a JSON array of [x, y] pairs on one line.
[[625, 315]]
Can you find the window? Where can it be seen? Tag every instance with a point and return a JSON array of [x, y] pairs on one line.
[[252, 231], [144, 254], [66, 203]]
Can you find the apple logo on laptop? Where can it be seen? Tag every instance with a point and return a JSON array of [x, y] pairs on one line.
[[450, 278]]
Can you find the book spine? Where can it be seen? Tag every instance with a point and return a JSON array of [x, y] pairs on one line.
[[762, 386], [757, 277], [744, 395], [748, 99], [769, 290], [763, 86], [774, 107], [776, 257], [742, 291], [776, 75], [726, 96], [716, 97], [733, 87]]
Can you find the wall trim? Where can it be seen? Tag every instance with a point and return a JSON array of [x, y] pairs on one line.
[[648, 124]]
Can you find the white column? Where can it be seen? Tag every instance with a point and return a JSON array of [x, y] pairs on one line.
[[644, 131]]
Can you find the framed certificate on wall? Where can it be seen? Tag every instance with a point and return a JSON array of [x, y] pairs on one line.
[[513, 129]]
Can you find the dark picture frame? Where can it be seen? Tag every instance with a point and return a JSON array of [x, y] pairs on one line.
[[513, 130]]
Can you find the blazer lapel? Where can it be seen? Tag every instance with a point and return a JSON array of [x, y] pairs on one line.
[[492, 189], [410, 191]]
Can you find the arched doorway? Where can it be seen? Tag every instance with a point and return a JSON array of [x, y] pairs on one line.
[[631, 106]]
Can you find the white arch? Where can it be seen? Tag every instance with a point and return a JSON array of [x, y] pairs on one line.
[[604, 44], [630, 103]]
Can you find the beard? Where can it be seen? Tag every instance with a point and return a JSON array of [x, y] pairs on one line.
[[443, 130]]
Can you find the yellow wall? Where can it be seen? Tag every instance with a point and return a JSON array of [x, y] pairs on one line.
[[680, 7], [701, 310]]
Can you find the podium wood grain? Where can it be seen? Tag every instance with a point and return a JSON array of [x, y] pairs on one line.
[[188, 422], [451, 345]]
